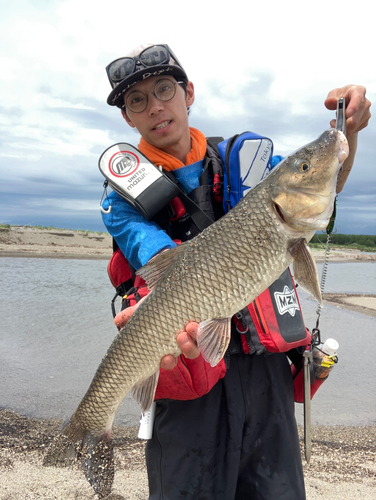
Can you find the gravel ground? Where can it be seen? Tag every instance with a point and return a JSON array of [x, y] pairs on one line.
[[342, 465]]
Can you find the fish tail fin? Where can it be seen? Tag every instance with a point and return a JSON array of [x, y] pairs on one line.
[[98, 463], [94, 449], [66, 447]]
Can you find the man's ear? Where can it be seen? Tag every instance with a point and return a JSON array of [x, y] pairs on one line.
[[130, 123], [190, 98]]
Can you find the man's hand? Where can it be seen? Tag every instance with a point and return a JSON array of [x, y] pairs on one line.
[[357, 117], [357, 107], [188, 345], [185, 339]]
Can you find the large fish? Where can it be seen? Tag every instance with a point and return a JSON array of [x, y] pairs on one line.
[[206, 280]]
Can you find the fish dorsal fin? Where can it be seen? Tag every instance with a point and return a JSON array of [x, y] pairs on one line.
[[305, 269], [144, 392], [213, 337], [158, 265]]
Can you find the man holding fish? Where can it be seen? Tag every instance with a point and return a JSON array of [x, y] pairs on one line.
[[225, 426]]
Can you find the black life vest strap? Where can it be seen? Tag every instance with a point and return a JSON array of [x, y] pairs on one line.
[[213, 162], [199, 217], [229, 146], [201, 220]]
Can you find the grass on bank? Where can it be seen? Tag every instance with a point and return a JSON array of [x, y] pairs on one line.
[[361, 242]]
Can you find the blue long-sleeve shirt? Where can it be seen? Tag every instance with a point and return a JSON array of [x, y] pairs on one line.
[[137, 238]]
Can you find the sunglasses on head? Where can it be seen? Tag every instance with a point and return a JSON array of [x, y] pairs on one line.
[[123, 67]]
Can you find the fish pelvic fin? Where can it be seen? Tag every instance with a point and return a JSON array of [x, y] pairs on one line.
[[95, 451], [213, 337], [305, 269], [153, 271], [144, 391]]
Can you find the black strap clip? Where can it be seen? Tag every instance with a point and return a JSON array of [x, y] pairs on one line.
[[121, 291]]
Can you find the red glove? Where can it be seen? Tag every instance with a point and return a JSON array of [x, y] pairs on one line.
[[190, 379]]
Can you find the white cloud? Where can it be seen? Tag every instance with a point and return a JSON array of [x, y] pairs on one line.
[[266, 68], [65, 204]]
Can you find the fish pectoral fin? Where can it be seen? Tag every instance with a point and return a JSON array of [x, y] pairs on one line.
[[305, 269], [158, 265], [144, 392], [213, 337]]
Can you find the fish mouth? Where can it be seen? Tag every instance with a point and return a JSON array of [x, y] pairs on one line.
[[278, 210], [344, 150]]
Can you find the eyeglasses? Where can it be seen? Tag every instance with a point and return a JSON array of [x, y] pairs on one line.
[[121, 68], [164, 90]]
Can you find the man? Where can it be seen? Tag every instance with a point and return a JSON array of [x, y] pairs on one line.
[[227, 432]]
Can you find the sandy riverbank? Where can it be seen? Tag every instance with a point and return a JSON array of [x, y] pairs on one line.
[[342, 465], [54, 243]]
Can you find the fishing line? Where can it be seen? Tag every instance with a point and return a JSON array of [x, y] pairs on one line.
[[341, 126], [324, 272]]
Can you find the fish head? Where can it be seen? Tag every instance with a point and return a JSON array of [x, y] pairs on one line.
[[304, 185]]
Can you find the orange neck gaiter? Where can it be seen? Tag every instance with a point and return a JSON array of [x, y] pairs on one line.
[[169, 162]]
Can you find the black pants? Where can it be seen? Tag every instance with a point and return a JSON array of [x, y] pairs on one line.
[[239, 441]]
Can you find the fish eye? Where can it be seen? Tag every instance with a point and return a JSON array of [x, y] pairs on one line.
[[302, 165]]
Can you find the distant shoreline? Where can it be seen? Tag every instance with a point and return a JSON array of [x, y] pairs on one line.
[[54, 243], [29, 242]]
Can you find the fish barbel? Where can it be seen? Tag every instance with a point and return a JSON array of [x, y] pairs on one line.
[[207, 280]]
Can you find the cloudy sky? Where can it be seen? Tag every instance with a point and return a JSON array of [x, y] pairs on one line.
[[260, 66]]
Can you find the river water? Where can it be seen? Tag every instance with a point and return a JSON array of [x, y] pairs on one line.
[[56, 325]]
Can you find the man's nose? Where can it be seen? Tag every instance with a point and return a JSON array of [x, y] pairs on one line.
[[154, 104]]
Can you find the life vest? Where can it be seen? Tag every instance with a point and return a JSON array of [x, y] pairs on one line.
[[176, 218], [273, 322]]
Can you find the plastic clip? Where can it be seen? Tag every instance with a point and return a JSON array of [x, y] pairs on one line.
[[103, 210]]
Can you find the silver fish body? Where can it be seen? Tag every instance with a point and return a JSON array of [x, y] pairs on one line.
[[207, 280]]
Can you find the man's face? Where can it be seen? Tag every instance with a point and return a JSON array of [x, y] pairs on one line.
[[163, 124]]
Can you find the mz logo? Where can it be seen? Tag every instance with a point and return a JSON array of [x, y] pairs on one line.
[[286, 301], [123, 164]]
